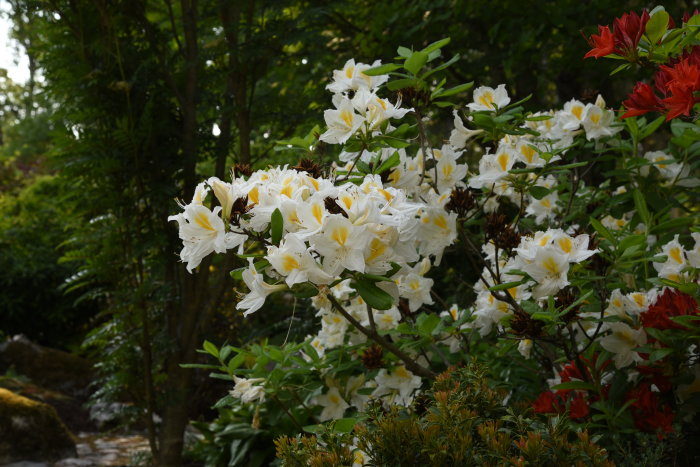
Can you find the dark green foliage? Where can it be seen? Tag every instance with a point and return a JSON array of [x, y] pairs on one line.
[[461, 421], [32, 230]]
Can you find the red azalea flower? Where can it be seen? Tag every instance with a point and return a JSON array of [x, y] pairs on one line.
[[546, 403], [680, 103], [578, 408], [661, 421], [684, 75], [629, 29], [670, 303], [603, 43], [641, 101], [687, 16]]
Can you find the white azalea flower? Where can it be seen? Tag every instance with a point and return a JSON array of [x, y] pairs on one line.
[[486, 98], [622, 341], [341, 244], [247, 391], [293, 261], [259, 290], [460, 135], [333, 404], [342, 123]]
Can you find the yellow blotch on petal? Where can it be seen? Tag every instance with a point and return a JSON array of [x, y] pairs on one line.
[[551, 265], [675, 254], [441, 222], [502, 160], [340, 235], [346, 116], [317, 211], [289, 262], [566, 244], [487, 100], [254, 195], [376, 249], [202, 220]]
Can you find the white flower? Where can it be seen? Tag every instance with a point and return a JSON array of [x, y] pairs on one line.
[[572, 115], [622, 342], [675, 262], [525, 347], [341, 244], [292, 260], [486, 98], [259, 290], [352, 78], [599, 122], [342, 123], [549, 268], [333, 405], [400, 380], [202, 232], [460, 135], [247, 391]]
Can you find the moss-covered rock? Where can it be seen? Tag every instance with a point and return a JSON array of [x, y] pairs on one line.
[[49, 368], [31, 430]]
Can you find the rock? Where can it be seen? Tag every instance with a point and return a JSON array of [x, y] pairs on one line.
[[49, 368], [71, 410], [31, 431]]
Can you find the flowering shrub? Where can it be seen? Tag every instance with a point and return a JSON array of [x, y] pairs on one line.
[[565, 238]]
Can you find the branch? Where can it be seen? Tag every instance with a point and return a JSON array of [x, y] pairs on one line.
[[371, 334]]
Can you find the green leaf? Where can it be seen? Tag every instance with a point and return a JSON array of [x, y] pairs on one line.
[[404, 52], [382, 69], [373, 295], [602, 230], [656, 26], [363, 167], [641, 205], [659, 354], [211, 349], [436, 45], [454, 90], [344, 425], [390, 163], [415, 62], [376, 278], [507, 285], [652, 127], [276, 226], [439, 68], [620, 68], [401, 84], [574, 385], [539, 192], [426, 323]]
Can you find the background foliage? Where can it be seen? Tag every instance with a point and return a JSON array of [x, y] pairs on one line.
[[140, 99]]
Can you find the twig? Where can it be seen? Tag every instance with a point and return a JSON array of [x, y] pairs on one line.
[[376, 337]]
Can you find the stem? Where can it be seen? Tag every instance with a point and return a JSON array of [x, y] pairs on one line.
[[372, 334], [289, 414]]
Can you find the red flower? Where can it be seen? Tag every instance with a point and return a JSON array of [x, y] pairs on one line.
[[687, 16], [670, 303], [603, 43], [578, 408], [683, 75], [546, 403], [642, 100], [648, 413], [680, 103], [628, 31]]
